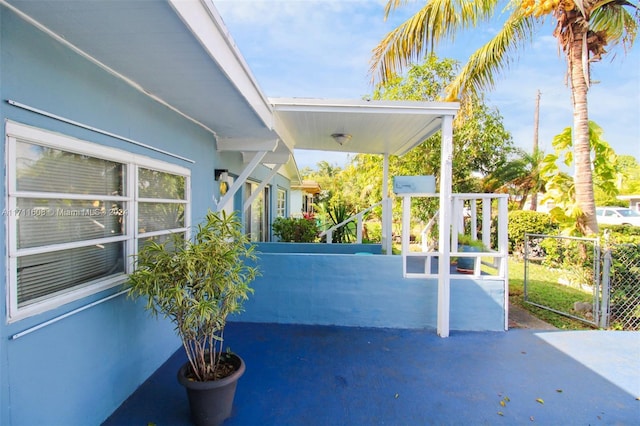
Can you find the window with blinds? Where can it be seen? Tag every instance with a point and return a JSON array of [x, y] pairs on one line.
[[77, 212]]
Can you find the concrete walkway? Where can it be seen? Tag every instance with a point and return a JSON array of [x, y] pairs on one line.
[[521, 318], [319, 375]]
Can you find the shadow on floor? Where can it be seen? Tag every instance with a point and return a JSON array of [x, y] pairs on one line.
[[325, 375]]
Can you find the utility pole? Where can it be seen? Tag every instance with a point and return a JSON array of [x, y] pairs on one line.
[[536, 125], [536, 122]]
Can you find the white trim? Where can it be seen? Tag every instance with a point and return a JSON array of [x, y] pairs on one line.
[[69, 143], [15, 132], [163, 232], [240, 180], [261, 186], [68, 314], [444, 227], [67, 246], [358, 105], [71, 295], [96, 130]]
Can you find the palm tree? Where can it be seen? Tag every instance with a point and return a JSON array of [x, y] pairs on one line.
[[583, 29], [520, 176]]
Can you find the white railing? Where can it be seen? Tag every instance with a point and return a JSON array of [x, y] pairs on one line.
[[466, 209], [425, 244], [358, 217]]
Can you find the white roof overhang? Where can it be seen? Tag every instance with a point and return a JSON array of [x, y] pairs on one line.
[[375, 127], [181, 54], [178, 52]]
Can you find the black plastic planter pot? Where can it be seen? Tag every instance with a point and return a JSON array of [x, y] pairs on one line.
[[211, 402]]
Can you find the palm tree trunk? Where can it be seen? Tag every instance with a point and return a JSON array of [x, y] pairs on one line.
[[583, 177]]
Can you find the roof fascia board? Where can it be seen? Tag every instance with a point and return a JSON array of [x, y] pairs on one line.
[[206, 24], [361, 106], [233, 144]]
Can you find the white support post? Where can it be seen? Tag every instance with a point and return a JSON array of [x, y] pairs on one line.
[[262, 185], [486, 222], [359, 228], [473, 218], [406, 230], [503, 248], [444, 282], [387, 231], [237, 184], [457, 221]]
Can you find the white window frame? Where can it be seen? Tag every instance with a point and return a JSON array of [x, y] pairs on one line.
[[281, 210], [20, 132]]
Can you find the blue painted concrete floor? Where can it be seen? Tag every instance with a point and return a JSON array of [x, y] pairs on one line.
[[326, 375]]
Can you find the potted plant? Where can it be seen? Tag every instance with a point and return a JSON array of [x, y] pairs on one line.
[[466, 243], [197, 283]]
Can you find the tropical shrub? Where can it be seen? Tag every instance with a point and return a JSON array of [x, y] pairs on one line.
[[527, 221], [296, 230]]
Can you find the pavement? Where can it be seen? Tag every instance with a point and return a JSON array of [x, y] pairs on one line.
[[331, 376], [521, 318]]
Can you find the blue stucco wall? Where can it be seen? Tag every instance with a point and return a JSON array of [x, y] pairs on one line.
[[78, 370], [364, 291]]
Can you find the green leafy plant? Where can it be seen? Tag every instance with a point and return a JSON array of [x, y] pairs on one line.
[[297, 230], [467, 240], [527, 221], [468, 244], [561, 187], [197, 283], [337, 214]]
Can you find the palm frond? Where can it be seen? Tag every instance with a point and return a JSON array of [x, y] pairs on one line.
[[417, 36], [496, 55], [616, 21]]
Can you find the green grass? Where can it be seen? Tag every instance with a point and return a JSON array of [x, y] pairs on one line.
[[544, 289]]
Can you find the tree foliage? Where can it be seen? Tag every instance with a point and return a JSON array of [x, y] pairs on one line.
[[561, 187], [481, 143], [584, 28], [519, 177]]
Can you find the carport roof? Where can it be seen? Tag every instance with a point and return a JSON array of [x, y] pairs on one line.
[[375, 127]]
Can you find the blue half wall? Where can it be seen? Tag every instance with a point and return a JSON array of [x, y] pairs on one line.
[[364, 291]]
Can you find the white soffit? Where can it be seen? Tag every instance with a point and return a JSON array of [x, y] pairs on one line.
[[376, 127], [177, 51]]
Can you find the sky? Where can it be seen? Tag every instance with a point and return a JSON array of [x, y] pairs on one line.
[[322, 49]]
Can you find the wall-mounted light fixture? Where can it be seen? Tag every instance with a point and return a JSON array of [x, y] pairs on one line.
[[221, 174], [341, 138]]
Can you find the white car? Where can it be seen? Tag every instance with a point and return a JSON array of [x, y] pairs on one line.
[[617, 216]]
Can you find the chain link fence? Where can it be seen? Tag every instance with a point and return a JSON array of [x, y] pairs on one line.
[[562, 275], [574, 277], [621, 277]]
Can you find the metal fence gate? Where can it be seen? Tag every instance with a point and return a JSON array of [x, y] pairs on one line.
[[577, 278], [621, 276]]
